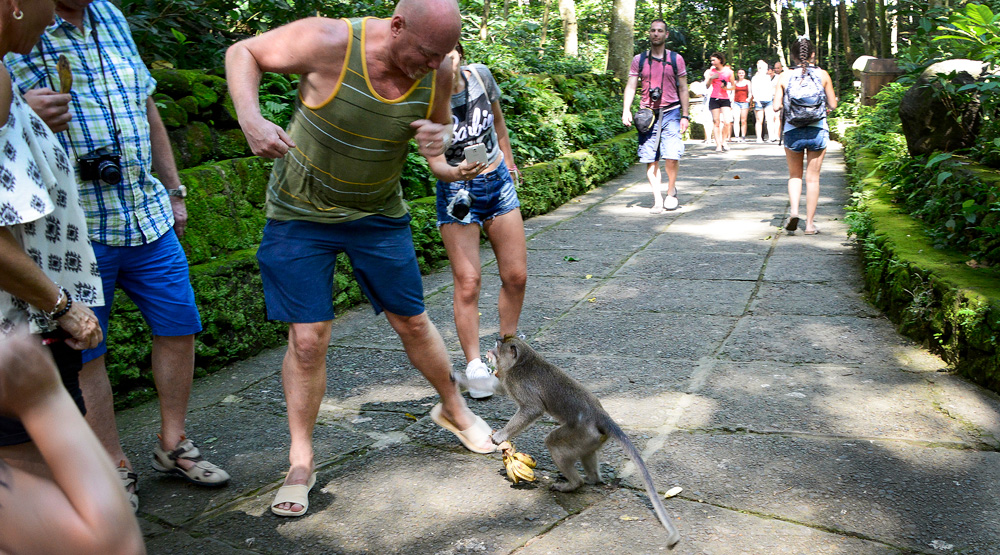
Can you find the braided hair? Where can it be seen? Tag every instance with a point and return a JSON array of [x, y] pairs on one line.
[[801, 52]]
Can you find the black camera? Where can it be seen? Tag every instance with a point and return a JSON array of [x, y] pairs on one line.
[[460, 205], [655, 94], [103, 164]]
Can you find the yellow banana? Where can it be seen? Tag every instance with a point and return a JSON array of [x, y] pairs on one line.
[[511, 474], [526, 459], [522, 471]]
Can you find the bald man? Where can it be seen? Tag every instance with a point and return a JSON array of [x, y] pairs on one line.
[[367, 87]]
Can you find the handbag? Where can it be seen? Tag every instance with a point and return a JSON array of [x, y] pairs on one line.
[[644, 120]]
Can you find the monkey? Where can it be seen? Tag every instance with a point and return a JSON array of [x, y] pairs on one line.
[[539, 387]]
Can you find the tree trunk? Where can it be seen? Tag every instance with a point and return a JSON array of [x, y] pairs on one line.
[[729, 35], [484, 23], [621, 37], [845, 33], [506, 9], [862, 12], [884, 32], [871, 19], [567, 10], [895, 34], [780, 48], [545, 26], [805, 20]]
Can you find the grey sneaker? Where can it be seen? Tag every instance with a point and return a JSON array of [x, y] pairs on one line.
[[481, 382]]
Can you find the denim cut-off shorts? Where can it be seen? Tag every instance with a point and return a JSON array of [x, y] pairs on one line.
[[494, 196], [741, 105], [806, 138], [664, 141], [762, 105]]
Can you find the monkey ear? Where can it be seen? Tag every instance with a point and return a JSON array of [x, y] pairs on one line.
[[513, 351]]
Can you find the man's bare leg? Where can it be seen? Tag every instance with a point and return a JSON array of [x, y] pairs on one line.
[[655, 183], [303, 375], [426, 351], [100, 416], [173, 371], [671, 166]]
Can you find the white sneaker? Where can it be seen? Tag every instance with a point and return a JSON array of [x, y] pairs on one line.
[[670, 203], [481, 382]]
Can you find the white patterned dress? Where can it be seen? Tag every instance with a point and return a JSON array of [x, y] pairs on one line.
[[40, 206]]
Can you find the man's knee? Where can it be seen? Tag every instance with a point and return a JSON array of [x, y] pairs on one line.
[[411, 327], [309, 342]]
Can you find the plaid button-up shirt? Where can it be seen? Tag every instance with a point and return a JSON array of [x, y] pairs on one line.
[[136, 210]]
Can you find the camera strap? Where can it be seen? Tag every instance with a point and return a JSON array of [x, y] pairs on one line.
[[104, 78], [648, 57]]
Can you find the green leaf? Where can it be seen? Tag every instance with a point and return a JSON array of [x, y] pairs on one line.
[[940, 157], [178, 35], [942, 176]]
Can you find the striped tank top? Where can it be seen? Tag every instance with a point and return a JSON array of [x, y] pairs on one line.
[[350, 150]]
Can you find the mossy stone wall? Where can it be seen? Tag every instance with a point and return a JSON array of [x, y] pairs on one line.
[[933, 295]]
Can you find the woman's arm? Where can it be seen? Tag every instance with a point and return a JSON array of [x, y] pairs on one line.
[[831, 95], [83, 506]]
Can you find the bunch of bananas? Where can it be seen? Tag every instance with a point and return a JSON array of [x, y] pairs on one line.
[[519, 465]]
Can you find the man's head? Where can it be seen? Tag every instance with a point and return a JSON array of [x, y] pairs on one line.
[[778, 68], [658, 32], [761, 66], [422, 33]]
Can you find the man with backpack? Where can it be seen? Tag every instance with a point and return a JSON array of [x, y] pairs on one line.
[[663, 112], [804, 96]]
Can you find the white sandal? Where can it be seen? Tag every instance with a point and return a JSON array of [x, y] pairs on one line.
[[202, 473], [296, 493]]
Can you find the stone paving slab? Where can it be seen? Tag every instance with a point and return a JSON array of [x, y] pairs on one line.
[[864, 401], [639, 293], [655, 264], [623, 524], [560, 239], [592, 330], [414, 499], [892, 492], [819, 339], [811, 299], [689, 236]]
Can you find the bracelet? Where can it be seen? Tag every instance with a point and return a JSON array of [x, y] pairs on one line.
[[57, 314], [686, 117]]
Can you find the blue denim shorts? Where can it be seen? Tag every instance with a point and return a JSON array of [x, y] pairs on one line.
[[494, 195], [664, 141], [298, 260], [762, 105], [806, 138], [741, 105], [155, 276]]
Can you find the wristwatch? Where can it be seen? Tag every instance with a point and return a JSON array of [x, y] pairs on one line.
[[180, 192], [686, 117]]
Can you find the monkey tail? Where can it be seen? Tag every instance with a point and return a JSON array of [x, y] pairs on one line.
[[609, 427]]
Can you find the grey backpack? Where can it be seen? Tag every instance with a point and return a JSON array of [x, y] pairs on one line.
[[805, 99]]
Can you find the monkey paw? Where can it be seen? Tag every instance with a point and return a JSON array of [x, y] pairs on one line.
[[565, 487]]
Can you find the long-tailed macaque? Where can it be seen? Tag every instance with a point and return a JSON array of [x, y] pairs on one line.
[[538, 386]]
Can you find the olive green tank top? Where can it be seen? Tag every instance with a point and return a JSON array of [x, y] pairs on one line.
[[350, 150]]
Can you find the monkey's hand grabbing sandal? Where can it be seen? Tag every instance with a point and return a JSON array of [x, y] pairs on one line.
[[476, 438]]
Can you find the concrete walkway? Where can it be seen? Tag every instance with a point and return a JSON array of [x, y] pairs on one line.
[[743, 361]]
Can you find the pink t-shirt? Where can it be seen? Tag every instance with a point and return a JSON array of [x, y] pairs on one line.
[[661, 71], [718, 90]]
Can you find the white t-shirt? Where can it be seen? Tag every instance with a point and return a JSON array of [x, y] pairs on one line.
[[762, 87], [40, 206]]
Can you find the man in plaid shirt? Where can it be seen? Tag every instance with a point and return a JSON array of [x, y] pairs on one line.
[[134, 217]]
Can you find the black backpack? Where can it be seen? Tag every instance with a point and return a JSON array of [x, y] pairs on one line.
[[805, 99]]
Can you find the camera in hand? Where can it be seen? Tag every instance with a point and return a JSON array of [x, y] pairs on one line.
[[103, 164], [461, 204], [655, 94]]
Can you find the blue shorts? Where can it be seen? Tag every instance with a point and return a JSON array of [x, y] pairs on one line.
[[298, 260], [741, 105], [494, 195], [663, 142], [762, 105], [155, 277], [806, 138]]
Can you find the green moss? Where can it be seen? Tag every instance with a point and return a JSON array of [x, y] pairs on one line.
[[931, 293], [205, 95], [173, 114], [190, 104]]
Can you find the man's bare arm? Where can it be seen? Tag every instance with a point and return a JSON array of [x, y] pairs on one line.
[[313, 48], [629, 96]]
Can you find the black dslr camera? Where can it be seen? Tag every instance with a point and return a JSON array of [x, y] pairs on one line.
[[461, 204], [655, 94], [103, 164]]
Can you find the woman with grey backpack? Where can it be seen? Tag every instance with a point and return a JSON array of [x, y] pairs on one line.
[[804, 96]]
